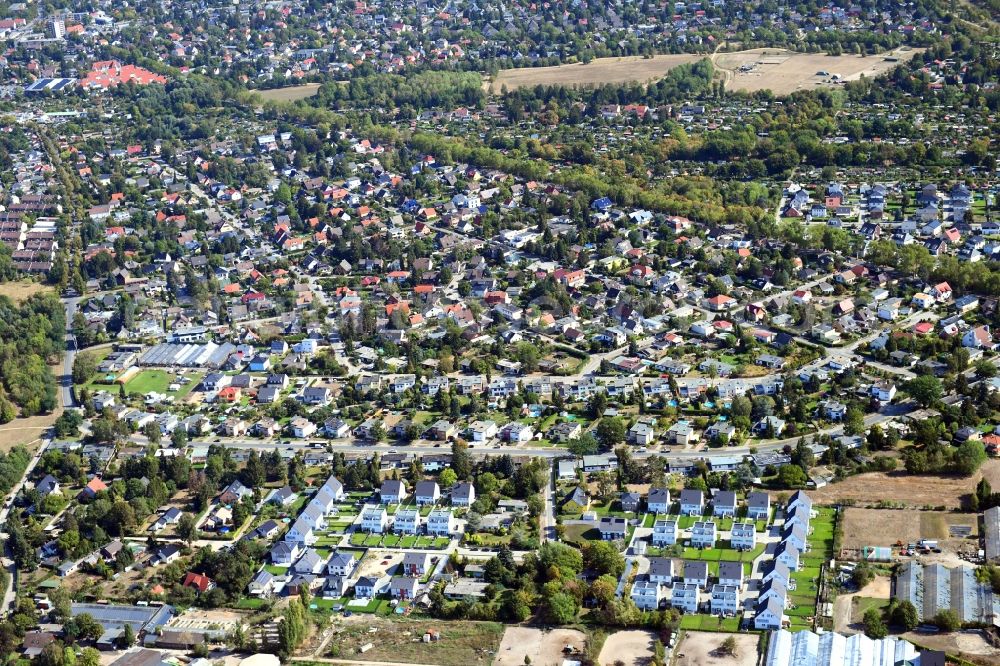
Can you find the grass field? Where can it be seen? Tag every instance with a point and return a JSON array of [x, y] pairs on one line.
[[20, 290], [149, 381], [599, 71], [289, 93], [710, 623]]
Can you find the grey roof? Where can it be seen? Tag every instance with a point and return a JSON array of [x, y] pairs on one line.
[[730, 570], [689, 496], [661, 566], [758, 500], [695, 569], [725, 498]]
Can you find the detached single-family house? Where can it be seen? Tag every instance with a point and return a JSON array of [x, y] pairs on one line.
[[612, 528], [646, 594], [758, 506], [725, 599], [658, 500], [692, 502], [416, 564], [724, 504], [463, 494], [392, 491], [426, 492], [374, 519], [684, 597]]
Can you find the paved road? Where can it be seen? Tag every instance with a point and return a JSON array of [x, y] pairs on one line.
[[547, 521]]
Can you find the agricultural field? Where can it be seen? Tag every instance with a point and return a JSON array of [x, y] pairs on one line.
[[289, 93], [783, 72], [599, 71]]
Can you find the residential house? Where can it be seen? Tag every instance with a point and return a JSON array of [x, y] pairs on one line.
[[664, 533], [725, 599], [392, 491], [612, 528], [658, 500], [724, 504], [703, 534], [440, 522], [696, 573], [684, 597], [374, 519], [692, 502], [369, 587], [646, 594], [758, 506], [427, 492], [417, 564], [463, 494], [743, 536]]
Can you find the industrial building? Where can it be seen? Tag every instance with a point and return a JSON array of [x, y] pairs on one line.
[[113, 618], [208, 355], [804, 648], [935, 587]]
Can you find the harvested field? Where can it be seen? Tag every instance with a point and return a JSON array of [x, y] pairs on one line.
[[461, 643], [700, 648], [915, 491], [544, 647], [634, 648], [884, 527], [784, 72], [599, 71], [289, 93]]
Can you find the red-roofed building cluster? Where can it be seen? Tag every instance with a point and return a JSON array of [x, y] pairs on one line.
[[110, 73]]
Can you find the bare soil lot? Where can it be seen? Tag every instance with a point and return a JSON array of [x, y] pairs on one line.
[[599, 71], [400, 641], [289, 93], [915, 491], [544, 647], [969, 645], [884, 527], [372, 565], [700, 648], [784, 72], [634, 648]]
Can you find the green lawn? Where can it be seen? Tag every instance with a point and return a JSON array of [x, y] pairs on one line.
[[722, 554], [710, 623], [251, 604], [148, 381]]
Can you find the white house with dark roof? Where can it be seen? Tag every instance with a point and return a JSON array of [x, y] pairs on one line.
[[770, 615], [788, 555], [427, 492], [463, 493], [692, 502], [392, 491], [612, 527], [341, 564], [661, 570], [731, 573], [724, 504], [696, 573], [758, 506], [658, 500]]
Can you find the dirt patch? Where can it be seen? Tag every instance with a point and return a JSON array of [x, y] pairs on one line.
[[401, 641], [887, 527], [21, 290], [289, 93], [376, 563], [847, 612], [917, 491], [222, 620], [968, 645], [544, 647], [599, 71], [27, 431], [631, 647], [784, 72], [701, 648]]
